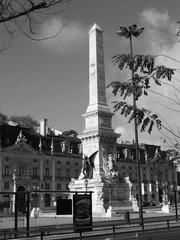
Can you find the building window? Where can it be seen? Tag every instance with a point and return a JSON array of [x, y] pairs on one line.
[[67, 173], [123, 175], [133, 154], [59, 186], [6, 185], [47, 200], [47, 186], [58, 174], [35, 172], [76, 174], [178, 178], [46, 172], [6, 170], [130, 176], [21, 171]]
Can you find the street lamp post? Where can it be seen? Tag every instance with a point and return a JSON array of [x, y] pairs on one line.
[[175, 200]]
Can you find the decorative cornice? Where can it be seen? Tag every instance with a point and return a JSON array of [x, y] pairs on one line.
[[107, 137]]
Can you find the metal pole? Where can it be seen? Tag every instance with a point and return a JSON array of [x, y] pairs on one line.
[[110, 194], [27, 213], [15, 215], [137, 145], [175, 201]]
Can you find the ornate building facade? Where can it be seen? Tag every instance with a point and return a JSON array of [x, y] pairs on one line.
[[32, 161], [158, 171]]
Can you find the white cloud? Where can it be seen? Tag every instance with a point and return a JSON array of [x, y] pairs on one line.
[[159, 29], [154, 18], [73, 36]]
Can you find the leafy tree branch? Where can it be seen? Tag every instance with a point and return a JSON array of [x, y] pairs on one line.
[[144, 73]]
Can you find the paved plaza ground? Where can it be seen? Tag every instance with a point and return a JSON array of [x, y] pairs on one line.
[[46, 219]]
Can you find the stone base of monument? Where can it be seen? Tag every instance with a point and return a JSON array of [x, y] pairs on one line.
[[121, 207], [165, 208], [107, 199]]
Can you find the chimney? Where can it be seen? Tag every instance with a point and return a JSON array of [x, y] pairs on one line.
[[43, 127]]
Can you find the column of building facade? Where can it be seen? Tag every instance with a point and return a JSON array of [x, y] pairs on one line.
[[142, 191], [170, 187], [41, 183], [149, 186], [164, 187], [156, 190]]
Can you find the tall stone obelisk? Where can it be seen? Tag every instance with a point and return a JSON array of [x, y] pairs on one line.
[[98, 134], [99, 141]]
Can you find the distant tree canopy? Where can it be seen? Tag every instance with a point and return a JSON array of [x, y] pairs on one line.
[[26, 121], [70, 133], [3, 117]]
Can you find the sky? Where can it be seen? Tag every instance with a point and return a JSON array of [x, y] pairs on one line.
[[49, 79]]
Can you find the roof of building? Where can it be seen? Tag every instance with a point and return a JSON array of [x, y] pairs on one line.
[[11, 134]]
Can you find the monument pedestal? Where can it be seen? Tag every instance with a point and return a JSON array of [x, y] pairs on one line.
[[97, 193], [107, 199]]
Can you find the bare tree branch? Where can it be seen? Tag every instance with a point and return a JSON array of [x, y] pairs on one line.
[[26, 15], [162, 95], [13, 9], [44, 38]]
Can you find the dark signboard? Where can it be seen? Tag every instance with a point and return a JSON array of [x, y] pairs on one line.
[[82, 212], [63, 206]]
